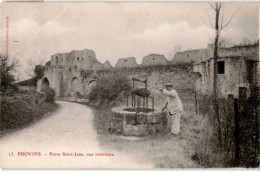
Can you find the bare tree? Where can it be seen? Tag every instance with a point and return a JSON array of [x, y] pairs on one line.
[[32, 63], [8, 68], [218, 26]]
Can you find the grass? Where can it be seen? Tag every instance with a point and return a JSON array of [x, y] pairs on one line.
[[161, 150], [18, 111], [209, 153]]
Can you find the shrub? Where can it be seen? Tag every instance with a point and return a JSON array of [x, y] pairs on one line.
[[50, 95], [110, 89], [7, 68], [19, 111], [209, 153]]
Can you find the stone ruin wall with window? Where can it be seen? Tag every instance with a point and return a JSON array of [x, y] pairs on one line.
[[84, 59], [64, 74], [191, 56], [77, 72], [154, 59], [237, 66], [129, 62], [73, 72]]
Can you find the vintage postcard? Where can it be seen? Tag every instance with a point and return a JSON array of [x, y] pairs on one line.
[[129, 85]]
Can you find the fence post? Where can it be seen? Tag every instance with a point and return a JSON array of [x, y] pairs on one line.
[[236, 109], [239, 106], [153, 103], [143, 102], [242, 97], [146, 100], [254, 102], [132, 96], [196, 105], [231, 104], [127, 100], [230, 98], [257, 94], [231, 115]]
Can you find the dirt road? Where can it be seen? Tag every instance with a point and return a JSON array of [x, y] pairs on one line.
[[57, 138]]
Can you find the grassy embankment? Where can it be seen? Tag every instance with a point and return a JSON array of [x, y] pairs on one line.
[[19, 111]]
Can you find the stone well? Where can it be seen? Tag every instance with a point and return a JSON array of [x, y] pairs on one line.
[[131, 123]]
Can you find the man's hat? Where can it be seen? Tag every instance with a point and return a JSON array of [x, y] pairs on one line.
[[168, 84]]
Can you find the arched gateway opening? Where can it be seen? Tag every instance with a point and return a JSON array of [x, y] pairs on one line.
[[91, 85], [45, 84], [75, 86]]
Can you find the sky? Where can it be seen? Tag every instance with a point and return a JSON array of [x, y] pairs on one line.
[[116, 30]]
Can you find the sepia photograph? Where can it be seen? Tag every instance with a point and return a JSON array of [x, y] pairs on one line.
[[129, 85]]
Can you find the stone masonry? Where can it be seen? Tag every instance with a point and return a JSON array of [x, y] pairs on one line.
[[138, 124], [76, 72], [154, 59]]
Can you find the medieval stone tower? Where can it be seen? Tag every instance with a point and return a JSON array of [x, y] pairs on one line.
[[67, 73]]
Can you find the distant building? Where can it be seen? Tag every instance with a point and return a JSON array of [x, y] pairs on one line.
[[107, 65], [129, 62], [84, 59], [237, 66], [73, 73], [67, 73], [191, 56], [154, 59]]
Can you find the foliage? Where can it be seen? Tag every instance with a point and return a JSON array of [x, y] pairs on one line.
[[50, 94], [86, 73], [19, 111], [48, 63], [39, 71], [32, 65], [28, 82], [7, 69], [219, 24], [110, 88], [38, 74], [209, 153]]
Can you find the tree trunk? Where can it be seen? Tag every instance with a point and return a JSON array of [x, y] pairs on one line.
[[215, 64]]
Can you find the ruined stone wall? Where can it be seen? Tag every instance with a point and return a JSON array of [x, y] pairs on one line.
[[181, 76], [248, 51], [154, 59], [72, 73], [126, 63], [197, 56], [235, 68], [69, 80], [64, 73], [107, 65], [235, 75], [191, 56], [85, 59]]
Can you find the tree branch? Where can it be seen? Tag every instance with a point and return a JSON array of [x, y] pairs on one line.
[[205, 23], [210, 38], [32, 63], [212, 6], [210, 20], [222, 17], [219, 5], [230, 18]]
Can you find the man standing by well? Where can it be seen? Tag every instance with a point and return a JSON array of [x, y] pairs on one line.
[[174, 106]]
